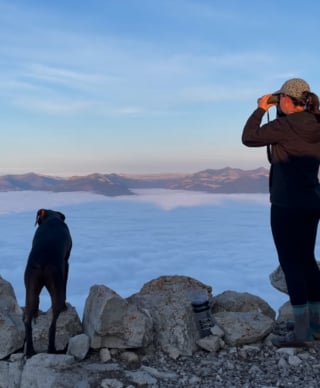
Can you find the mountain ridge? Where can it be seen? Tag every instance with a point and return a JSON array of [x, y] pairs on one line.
[[225, 180]]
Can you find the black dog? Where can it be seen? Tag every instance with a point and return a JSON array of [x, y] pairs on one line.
[[48, 267]]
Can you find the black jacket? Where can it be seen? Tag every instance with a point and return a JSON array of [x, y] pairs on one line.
[[295, 156]]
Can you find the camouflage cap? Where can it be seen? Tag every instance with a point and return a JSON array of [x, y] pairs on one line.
[[294, 88]]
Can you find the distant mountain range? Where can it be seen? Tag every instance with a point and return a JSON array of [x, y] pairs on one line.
[[225, 180]]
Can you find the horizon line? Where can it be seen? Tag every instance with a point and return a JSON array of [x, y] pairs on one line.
[[129, 174]]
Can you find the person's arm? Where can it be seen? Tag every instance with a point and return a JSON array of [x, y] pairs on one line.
[[255, 135]]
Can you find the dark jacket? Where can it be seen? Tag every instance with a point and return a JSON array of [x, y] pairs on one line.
[[295, 156]]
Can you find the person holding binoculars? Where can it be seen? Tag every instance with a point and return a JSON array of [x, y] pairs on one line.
[[293, 142]]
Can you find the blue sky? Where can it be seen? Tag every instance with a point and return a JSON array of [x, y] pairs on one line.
[[140, 86]]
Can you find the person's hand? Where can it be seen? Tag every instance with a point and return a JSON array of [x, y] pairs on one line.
[[263, 102]]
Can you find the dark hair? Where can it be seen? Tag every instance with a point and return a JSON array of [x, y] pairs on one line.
[[310, 101]]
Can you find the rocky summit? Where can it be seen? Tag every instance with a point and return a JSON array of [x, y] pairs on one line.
[[155, 338]]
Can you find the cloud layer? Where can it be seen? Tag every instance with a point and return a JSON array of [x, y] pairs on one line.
[[223, 241]]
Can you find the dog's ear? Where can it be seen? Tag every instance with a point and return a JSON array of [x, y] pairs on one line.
[[41, 213], [62, 216]]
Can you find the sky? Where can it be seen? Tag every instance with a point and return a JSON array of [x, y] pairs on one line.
[[143, 86]]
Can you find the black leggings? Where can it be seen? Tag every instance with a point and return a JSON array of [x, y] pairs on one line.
[[294, 233]]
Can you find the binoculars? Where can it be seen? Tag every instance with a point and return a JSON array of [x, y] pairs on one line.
[[274, 99]]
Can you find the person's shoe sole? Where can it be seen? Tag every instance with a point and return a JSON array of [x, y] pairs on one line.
[[293, 344]]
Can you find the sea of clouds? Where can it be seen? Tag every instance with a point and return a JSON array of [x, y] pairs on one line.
[[223, 240]]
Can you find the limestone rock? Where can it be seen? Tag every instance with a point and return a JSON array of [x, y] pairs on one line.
[[63, 371], [168, 299], [79, 346], [142, 379], [244, 327], [11, 370], [111, 383], [11, 321], [105, 355], [241, 302], [240, 335], [113, 322], [211, 343], [68, 325], [45, 370], [278, 280], [130, 359]]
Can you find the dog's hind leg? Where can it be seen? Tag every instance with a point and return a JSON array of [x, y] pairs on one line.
[[55, 287], [33, 289], [29, 349], [52, 331], [65, 277], [58, 306]]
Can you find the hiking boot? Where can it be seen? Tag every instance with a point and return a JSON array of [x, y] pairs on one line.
[[290, 341], [301, 336], [314, 313], [315, 334], [290, 325]]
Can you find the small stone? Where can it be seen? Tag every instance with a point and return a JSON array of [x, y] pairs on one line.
[[216, 330], [283, 363], [105, 355], [194, 380], [159, 374], [111, 383], [131, 359], [255, 370], [294, 360], [288, 351], [210, 343]]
